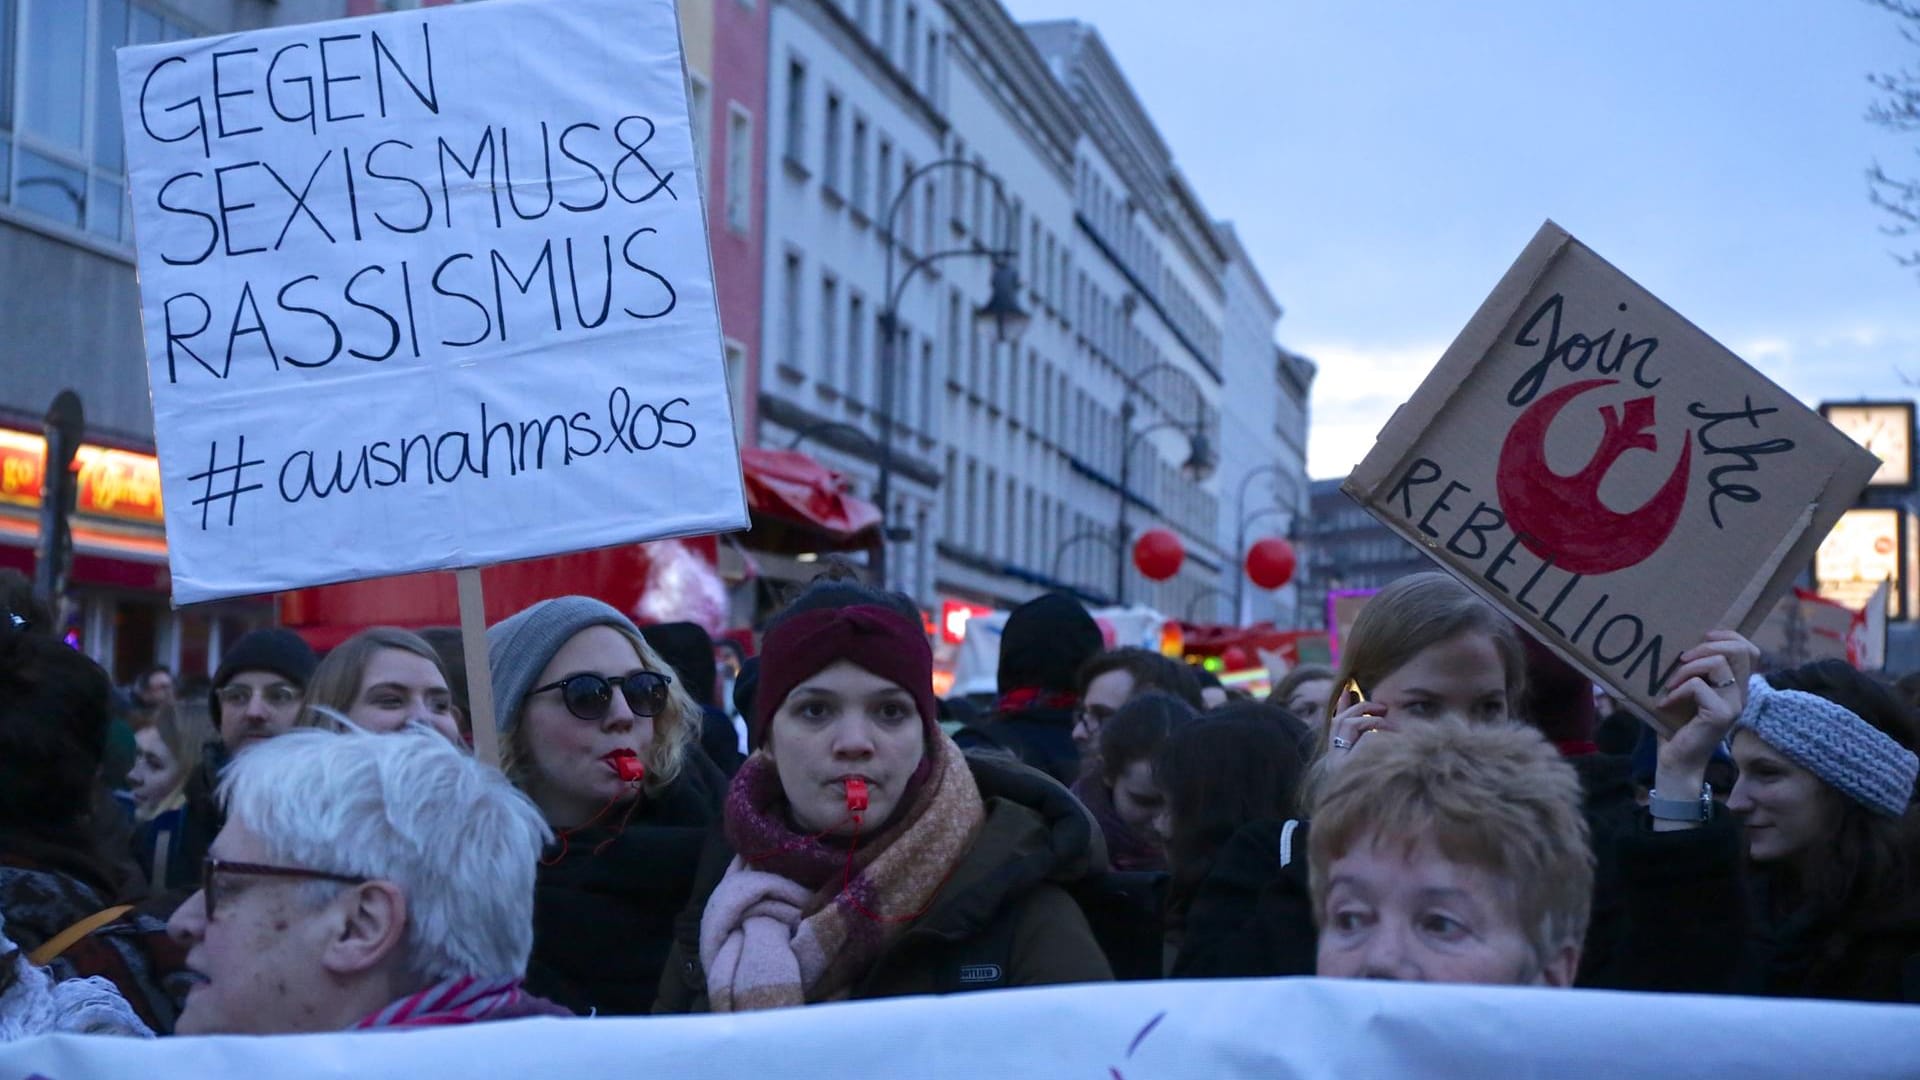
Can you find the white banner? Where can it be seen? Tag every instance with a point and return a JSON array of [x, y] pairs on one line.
[[1222, 1030], [425, 290]]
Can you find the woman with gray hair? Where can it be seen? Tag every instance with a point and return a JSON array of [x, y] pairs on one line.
[[596, 731], [362, 881]]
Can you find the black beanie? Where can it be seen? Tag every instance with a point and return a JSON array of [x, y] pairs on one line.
[[1045, 642], [274, 649], [688, 649]]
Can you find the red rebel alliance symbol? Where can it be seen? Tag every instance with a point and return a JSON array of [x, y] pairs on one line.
[[1561, 518]]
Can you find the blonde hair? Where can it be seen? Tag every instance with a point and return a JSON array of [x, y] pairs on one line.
[[673, 730], [185, 727], [1498, 797], [336, 681], [1408, 617]]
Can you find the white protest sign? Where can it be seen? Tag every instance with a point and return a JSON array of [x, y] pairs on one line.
[[1220, 1030], [425, 290]]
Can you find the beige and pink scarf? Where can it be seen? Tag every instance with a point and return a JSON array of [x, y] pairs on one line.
[[799, 919]]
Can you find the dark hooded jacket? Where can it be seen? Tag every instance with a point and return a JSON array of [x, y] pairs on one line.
[[1004, 917], [1045, 643], [605, 900]]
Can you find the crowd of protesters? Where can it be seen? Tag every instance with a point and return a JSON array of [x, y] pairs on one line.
[[309, 844]]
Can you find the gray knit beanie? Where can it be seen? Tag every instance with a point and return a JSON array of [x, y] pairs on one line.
[[520, 646], [1833, 743]]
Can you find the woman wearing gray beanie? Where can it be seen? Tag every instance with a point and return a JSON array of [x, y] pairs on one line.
[[597, 733], [1831, 833]]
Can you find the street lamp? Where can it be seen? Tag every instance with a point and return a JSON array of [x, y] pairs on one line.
[[1240, 534], [1082, 536], [1198, 466], [1002, 312], [1207, 592]]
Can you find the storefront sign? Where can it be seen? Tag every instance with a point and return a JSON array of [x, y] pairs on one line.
[[425, 290], [1610, 476], [1861, 553], [113, 483]]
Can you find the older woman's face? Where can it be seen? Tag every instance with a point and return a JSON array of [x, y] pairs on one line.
[[569, 778], [399, 686], [155, 773], [845, 722], [1412, 914]]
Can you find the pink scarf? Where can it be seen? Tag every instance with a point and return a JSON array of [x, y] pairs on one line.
[[797, 919]]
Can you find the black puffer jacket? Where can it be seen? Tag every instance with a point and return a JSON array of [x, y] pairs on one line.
[[605, 901]]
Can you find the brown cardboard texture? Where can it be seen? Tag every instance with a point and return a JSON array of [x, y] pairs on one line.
[[1606, 473]]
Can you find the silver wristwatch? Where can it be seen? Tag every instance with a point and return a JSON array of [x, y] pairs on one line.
[[1695, 809]]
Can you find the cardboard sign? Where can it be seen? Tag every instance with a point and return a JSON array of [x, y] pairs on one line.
[[425, 290], [1606, 473]]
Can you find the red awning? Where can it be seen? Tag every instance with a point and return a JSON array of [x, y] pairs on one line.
[[799, 504]]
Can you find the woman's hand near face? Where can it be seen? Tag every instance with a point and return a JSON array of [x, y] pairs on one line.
[[1355, 719]]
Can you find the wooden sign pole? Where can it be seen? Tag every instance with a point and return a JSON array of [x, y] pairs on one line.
[[473, 642]]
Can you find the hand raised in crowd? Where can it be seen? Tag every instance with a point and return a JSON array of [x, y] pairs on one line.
[[1704, 698]]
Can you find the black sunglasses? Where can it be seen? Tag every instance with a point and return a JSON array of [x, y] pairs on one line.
[[589, 696]]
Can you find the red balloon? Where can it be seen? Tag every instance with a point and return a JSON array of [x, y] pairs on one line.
[[1158, 554], [1270, 563]]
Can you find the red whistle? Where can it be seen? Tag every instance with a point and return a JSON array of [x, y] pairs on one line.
[[856, 794], [626, 765]]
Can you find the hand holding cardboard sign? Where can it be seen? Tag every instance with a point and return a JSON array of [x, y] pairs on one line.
[[1705, 697]]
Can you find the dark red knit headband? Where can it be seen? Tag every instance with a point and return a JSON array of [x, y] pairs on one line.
[[871, 637]]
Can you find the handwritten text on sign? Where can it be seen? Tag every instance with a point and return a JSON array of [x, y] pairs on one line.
[[1612, 477], [425, 290]]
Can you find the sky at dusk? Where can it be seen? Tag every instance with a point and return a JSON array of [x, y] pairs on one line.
[[1385, 162]]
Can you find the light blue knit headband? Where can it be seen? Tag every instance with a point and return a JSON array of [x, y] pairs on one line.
[[1833, 743]]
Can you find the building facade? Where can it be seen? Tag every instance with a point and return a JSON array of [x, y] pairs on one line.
[[72, 316], [1346, 548], [1006, 456]]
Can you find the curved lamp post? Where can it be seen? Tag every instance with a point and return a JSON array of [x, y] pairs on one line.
[[1002, 312]]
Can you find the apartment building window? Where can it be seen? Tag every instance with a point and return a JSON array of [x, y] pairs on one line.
[[1012, 523], [790, 311], [830, 160], [973, 359], [906, 238], [989, 520], [739, 168], [856, 343], [796, 113], [880, 350], [886, 27], [700, 119], [910, 43], [971, 511], [980, 186], [863, 15], [961, 178], [933, 66], [933, 211], [858, 167], [924, 373], [884, 188], [954, 373], [61, 154], [829, 317], [949, 489], [736, 362]]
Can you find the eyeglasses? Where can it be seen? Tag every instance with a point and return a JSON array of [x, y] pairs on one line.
[[589, 696], [240, 695], [211, 869]]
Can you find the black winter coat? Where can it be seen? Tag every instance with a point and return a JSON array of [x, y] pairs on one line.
[[603, 922]]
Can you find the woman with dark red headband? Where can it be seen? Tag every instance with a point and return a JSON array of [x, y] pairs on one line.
[[596, 732], [863, 855]]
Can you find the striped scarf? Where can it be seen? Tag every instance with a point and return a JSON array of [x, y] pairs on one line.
[[798, 920], [464, 1000]]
